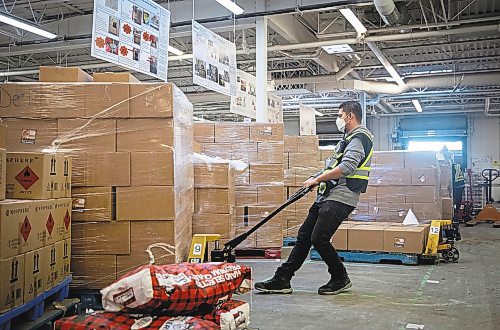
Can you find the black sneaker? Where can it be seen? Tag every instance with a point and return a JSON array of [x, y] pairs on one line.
[[274, 285], [335, 287]]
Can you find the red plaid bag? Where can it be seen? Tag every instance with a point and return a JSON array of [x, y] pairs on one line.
[[230, 315], [122, 321], [177, 289]]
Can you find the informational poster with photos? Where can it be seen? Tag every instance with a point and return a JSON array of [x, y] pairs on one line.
[[307, 120], [214, 61], [133, 34], [244, 103], [274, 108]]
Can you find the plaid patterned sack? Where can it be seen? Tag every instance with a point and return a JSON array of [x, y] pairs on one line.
[[177, 289], [122, 321], [230, 315]]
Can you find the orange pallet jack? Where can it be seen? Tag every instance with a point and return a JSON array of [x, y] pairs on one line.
[[489, 213]]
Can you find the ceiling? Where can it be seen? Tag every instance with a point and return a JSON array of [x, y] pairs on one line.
[[446, 51]]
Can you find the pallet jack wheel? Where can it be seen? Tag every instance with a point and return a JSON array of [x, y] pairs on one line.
[[451, 255]]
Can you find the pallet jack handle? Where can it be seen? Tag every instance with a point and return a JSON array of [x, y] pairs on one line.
[[490, 175]]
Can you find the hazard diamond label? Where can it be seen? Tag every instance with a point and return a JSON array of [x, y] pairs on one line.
[[50, 223], [67, 220], [26, 229], [27, 178]]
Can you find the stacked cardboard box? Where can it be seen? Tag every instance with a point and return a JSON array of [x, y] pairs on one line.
[[259, 189], [131, 146]]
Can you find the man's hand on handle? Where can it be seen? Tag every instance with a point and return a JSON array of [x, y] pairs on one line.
[[311, 182]]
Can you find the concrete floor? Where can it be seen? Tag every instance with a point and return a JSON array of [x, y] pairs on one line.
[[391, 296]]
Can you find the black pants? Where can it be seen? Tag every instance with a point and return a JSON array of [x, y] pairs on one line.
[[457, 201], [321, 223]]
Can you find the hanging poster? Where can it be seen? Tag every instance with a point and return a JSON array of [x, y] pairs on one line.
[[307, 120], [214, 61], [244, 103], [274, 108], [133, 34]]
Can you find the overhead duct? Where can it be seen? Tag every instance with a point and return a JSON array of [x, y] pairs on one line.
[[392, 13]]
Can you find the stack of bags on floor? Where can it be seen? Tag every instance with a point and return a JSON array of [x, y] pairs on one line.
[[177, 296]]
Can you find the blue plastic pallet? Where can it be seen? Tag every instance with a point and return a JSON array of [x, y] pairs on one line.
[[289, 241], [35, 308], [371, 257]]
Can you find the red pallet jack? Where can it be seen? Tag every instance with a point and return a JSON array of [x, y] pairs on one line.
[[489, 213]]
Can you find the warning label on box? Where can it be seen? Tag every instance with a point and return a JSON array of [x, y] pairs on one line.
[[26, 229], [27, 178], [50, 224]]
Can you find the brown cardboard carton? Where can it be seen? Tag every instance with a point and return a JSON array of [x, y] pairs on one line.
[[51, 101], [93, 272], [44, 211], [270, 152], [379, 211], [11, 282], [307, 142], [379, 176], [427, 211], [123, 77], [32, 175], [101, 169], [152, 168], [289, 179], [50, 267], [270, 235], [204, 132], [246, 152], [3, 136], [304, 160], [270, 195], [145, 134], [145, 203], [93, 204], [207, 223], [399, 210], [85, 135], [151, 100], [3, 173], [370, 195], [33, 273], [394, 194], [67, 258], [61, 250], [339, 239], [64, 169], [15, 100], [325, 154], [260, 132], [232, 133], [366, 238], [420, 159], [30, 135], [290, 143], [20, 229], [388, 159], [214, 200], [254, 214], [246, 196], [423, 176], [447, 207], [107, 100], [266, 174], [215, 175], [63, 217], [399, 177], [63, 74], [410, 239], [222, 150], [420, 194], [242, 179], [97, 238], [361, 212]]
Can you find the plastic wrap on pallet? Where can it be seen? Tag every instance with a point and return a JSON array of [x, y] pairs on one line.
[[301, 144]]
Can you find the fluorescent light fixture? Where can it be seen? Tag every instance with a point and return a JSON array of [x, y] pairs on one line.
[[317, 113], [355, 22], [237, 10], [18, 23], [417, 105], [336, 49], [175, 51], [431, 71]]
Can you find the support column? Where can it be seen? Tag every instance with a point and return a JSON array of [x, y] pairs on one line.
[[362, 101], [261, 69]]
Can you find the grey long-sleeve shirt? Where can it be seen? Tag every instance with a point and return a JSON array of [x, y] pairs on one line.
[[353, 155]]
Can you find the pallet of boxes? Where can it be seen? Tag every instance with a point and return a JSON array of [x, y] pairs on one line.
[[258, 190], [131, 146], [35, 232]]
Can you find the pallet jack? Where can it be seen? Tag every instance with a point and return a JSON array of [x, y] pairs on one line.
[[441, 243], [489, 213]]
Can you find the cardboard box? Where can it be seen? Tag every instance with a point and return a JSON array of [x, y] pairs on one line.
[[399, 177], [107, 100], [33, 274], [85, 135], [339, 239], [251, 215], [307, 160], [423, 176], [391, 194], [325, 154], [388, 159], [61, 257], [151, 100], [222, 150], [98, 238], [246, 152], [214, 200], [204, 132], [145, 134], [123, 77], [11, 282], [3, 136], [145, 203], [93, 272], [242, 179], [447, 207], [232, 133], [101, 169], [152, 168], [197, 148], [30, 135], [290, 143], [20, 229], [59, 100], [266, 174], [62, 214], [50, 271], [379, 177], [93, 204], [370, 195], [361, 212], [379, 211], [410, 239], [270, 235], [260, 132], [366, 238], [66, 180], [399, 210], [427, 211], [270, 153], [270, 195], [420, 194], [63, 74], [420, 159], [214, 175], [207, 223], [3, 173], [246, 196], [289, 179], [44, 211], [67, 258]]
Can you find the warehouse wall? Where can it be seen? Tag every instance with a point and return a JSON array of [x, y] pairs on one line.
[[382, 129]]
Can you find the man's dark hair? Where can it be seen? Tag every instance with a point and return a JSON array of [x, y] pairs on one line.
[[353, 107]]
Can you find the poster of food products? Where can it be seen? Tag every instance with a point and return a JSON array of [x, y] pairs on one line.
[[274, 108], [244, 103], [133, 34], [214, 61]]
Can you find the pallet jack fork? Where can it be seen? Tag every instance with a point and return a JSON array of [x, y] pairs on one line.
[[441, 242]]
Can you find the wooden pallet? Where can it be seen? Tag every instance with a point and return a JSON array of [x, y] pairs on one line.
[[259, 253], [372, 257]]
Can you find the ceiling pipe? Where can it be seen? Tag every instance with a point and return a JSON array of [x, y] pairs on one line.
[[390, 13]]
